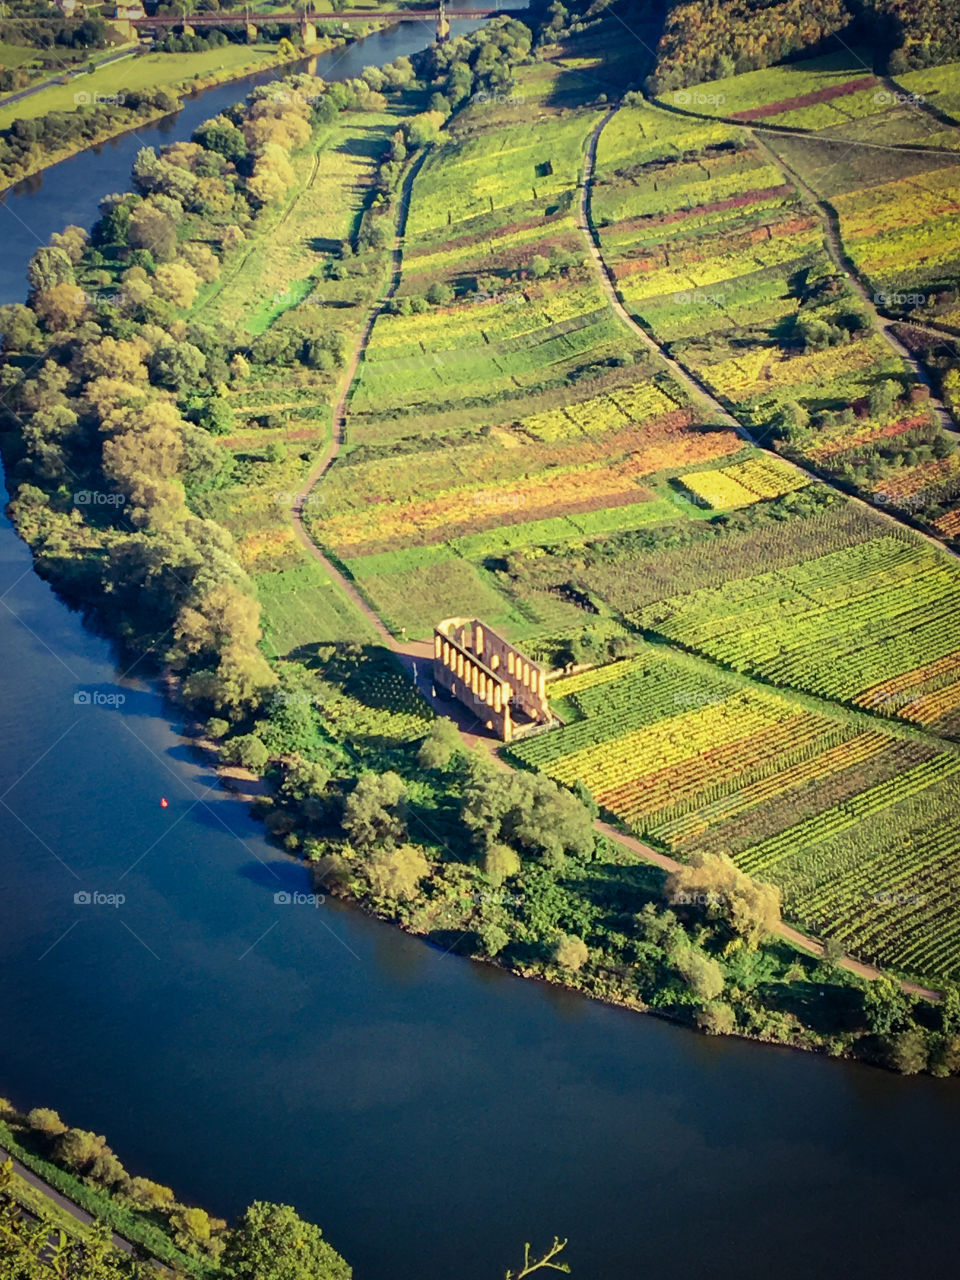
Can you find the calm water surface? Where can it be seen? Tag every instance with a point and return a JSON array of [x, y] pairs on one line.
[[430, 1114]]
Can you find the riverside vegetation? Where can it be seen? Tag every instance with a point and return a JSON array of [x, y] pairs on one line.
[[78, 93], [39, 1239], [512, 450]]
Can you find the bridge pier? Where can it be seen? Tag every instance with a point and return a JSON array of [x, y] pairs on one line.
[[251, 33]]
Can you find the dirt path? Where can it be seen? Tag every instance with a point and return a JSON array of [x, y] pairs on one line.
[[785, 931], [337, 434], [806, 135]]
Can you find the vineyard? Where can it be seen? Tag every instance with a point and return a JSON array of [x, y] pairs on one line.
[[717, 253], [513, 452], [836, 625], [692, 760]]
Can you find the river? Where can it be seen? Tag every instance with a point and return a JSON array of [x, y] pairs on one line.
[[429, 1113]]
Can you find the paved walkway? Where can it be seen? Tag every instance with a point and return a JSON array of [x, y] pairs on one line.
[[59, 1199]]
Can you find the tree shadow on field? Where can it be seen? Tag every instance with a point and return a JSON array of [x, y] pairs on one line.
[[366, 143], [324, 244], [623, 41]]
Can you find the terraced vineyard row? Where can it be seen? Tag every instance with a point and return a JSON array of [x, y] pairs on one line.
[[846, 815]]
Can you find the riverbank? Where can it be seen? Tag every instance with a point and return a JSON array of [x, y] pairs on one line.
[[265, 57]]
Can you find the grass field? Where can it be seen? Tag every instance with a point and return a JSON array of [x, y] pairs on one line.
[[302, 606], [145, 71]]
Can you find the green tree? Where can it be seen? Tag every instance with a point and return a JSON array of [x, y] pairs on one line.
[[881, 397], [440, 294], [48, 268], [440, 745], [716, 1018], [906, 1051], [374, 813], [500, 863], [396, 873], [570, 953], [945, 1055], [18, 328], [271, 1242], [247, 751], [177, 365], [493, 938], [885, 1007], [701, 973]]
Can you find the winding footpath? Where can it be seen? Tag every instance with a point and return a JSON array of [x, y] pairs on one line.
[[416, 657]]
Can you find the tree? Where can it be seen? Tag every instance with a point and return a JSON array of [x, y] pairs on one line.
[[18, 328], [423, 129], [945, 1056], [176, 283], [62, 306], [716, 1018], [546, 1263], [906, 1052], [304, 779], [570, 953], [88, 1154], [440, 745], [177, 365], [701, 973], [194, 1231], [72, 240], [396, 873], [750, 908], [247, 751], [43, 1120], [493, 938], [885, 1007], [48, 268], [151, 1194], [224, 616], [272, 175], [222, 136], [238, 685], [271, 1242], [527, 811], [153, 230], [882, 397], [373, 815], [500, 863], [440, 294]]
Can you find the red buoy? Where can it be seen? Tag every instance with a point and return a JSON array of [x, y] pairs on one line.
[[163, 802]]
